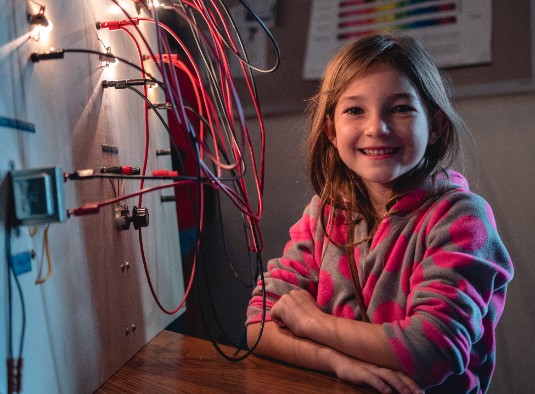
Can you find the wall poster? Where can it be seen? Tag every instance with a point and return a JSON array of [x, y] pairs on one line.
[[455, 32]]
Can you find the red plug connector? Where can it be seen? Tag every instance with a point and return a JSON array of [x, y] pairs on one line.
[[123, 170], [166, 58], [114, 25], [86, 209], [164, 173]]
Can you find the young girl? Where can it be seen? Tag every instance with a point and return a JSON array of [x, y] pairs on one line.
[[395, 275]]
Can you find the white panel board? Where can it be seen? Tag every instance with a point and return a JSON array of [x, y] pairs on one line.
[[80, 322]]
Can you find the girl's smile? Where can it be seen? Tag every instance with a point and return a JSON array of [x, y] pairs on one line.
[[379, 152]]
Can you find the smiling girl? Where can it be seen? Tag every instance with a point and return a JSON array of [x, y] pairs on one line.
[[395, 276]]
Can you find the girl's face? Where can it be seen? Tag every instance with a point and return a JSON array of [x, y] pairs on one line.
[[380, 127]]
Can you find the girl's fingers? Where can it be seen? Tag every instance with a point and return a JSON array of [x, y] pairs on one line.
[[411, 384], [393, 380], [382, 379]]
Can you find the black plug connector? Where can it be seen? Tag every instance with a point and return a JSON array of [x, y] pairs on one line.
[[123, 83], [51, 54]]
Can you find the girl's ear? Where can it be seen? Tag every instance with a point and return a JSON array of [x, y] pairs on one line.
[[436, 127], [330, 131]]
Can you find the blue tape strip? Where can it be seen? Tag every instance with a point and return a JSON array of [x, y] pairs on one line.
[[17, 124], [22, 262]]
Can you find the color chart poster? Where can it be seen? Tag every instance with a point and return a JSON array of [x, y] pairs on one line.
[[456, 32]]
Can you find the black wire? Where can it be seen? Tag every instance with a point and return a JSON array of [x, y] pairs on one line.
[[171, 136], [202, 44], [166, 126], [152, 177], [262, 25], [212, 306], [225, 243], [123, 60], [11, 272], [249, 351], [210, 297], [113, 186], [221, 148], [149, 177], [239, 348], [7, 247], [259, 261], [162, 120]]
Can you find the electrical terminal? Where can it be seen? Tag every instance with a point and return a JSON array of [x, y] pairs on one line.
[[87, 173], [147, 5], [110, 148], [39, 22], [167, 198], [121, 215], [114, 25], [108, 58], [14, 375], [122, 170], [123, 83], [51, 54], [163, 105], [86, 209], [166, 58], [163, 152], [123, 218]]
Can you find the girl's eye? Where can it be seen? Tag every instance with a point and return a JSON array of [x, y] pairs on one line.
[[402, 109], [355, 111]]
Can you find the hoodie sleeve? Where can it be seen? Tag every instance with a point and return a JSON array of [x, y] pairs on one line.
[[296, 269], [457, 294]]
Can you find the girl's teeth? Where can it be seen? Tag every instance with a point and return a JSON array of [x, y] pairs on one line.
[[378, 151]]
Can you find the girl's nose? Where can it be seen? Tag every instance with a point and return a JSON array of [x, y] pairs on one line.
[[376, 125]]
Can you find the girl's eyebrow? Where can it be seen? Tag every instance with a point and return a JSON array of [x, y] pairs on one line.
[[400, 95], [404, 95]]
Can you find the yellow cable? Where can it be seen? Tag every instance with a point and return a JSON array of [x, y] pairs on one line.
[[40, 280], [32, 230]]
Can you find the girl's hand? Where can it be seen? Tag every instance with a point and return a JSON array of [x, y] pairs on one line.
[[296, 310], [383, 379]]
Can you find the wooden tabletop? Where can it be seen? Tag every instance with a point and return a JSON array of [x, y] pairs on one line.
[[175, 363]]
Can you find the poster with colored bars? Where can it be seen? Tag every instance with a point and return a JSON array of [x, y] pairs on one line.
[[455, 32]]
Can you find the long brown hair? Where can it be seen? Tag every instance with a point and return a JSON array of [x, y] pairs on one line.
[[336, 184]]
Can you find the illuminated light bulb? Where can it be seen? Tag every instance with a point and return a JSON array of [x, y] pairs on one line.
[[42, 26], [41, 32], [114, 62], [151, 85], [108, 59], [157, 3], [114, 10]]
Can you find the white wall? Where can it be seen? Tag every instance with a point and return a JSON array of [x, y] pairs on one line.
[[504, 130], [77, 321]]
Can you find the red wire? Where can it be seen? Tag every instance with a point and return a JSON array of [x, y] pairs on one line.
[[255, 103], [230, 98], [153, 292], [225, 72], [145, 111], [145, 160]]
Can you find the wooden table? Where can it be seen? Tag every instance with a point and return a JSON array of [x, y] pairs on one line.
[[175, 363]]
